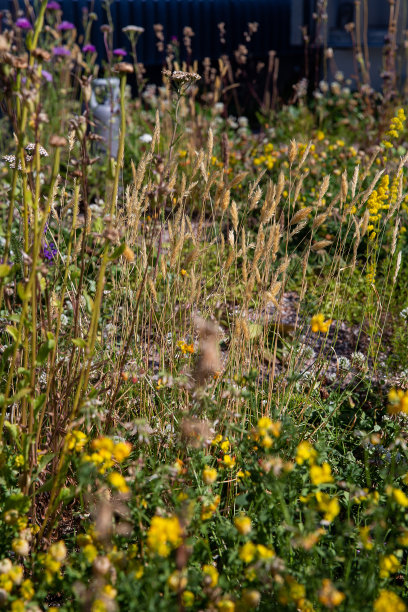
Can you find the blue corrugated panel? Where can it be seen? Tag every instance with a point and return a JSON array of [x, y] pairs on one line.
[[203, 16]]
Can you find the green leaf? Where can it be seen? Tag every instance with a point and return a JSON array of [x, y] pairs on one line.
[[4, 270], [13, 331], [23, 292], [80, 342], [39, 403], [118, 251], [21, 393]]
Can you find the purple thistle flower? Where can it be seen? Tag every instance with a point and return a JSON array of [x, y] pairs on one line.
[[65, 25], [54, 6], [23, 24], [88, 48], [47, 75], [60, 51], [119, 52]]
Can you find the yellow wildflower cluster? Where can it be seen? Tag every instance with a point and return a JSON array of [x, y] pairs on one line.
[[389, 564], [292, 592], [268, 157], [395, 129], [398, 401], [387, 601], [208, 509], [11, 577], [185, 348], [106, 452], [52, 560], [328, 505], [305, 452], [76, 440], [249, 551], [264, 428], [329, 596], [321, 474], [117, 480], [318, 324], [375, 203], [165, 534]]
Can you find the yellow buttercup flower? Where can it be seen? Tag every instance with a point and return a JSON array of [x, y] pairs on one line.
[[318, 324], [247, 552], [387, 601], [210, 575], [243, 524], [305, 452], [209, 475], [328, 505], [321, 474], [389, 564], [118, 481], [164, 534]]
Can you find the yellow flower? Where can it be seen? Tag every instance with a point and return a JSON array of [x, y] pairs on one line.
[[27, 590], [305, 452], [229, 461], [103, 443], [216, 440], [264, 552], [6, 583], [109, 591], [403, 538], [209, 475], [387, 601], [251, 598], [90, 553], [329, 596], [225, 445], [318, 323], [247, 552], [18, 606], [400, 497], [267, 441], [319, 135], [58, 551], [329, 506], [398, 401], [76, 440], [16, 574], [389, 564], [210, 575], [365, 537], [118, 481], [226, 605], [177, 581], [121, 451], [99, 606], [187, 599], [321, 474], [164, 534], [20, 547], [208, 509], [243, 524]]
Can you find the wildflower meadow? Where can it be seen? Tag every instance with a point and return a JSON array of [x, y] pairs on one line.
[[203, 328]]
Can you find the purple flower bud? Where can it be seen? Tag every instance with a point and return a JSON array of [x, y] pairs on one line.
[[65, 25], [54, 6], [23, 24], [88, 48], [47, 75], [60, 51], [119, 52]]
